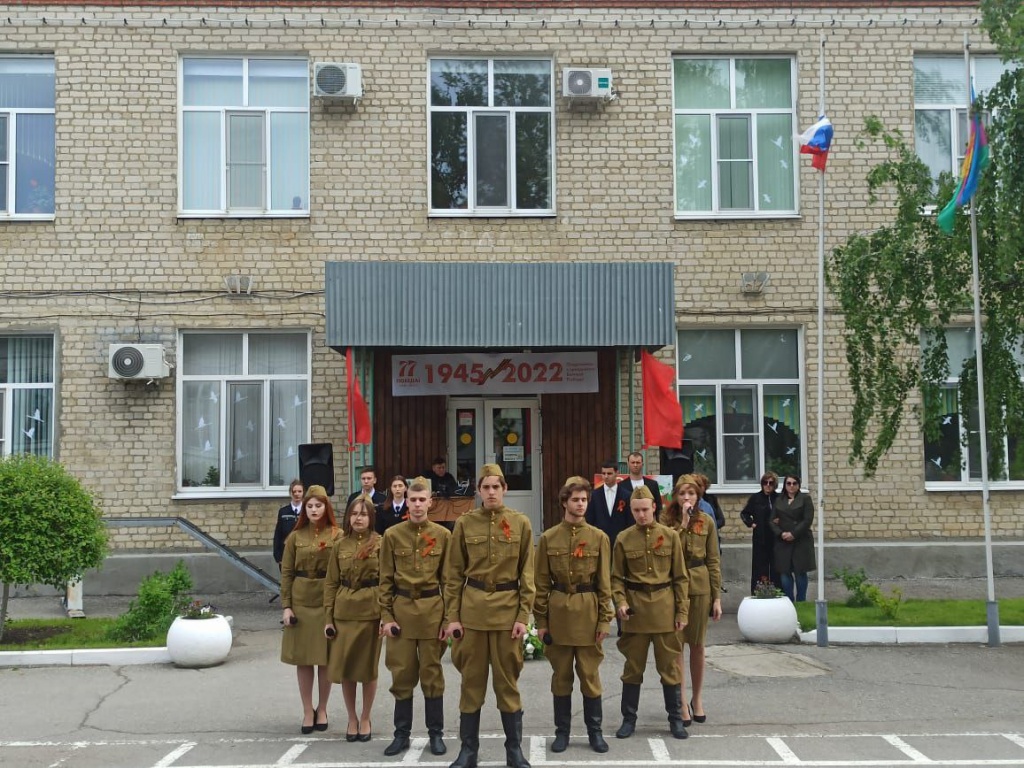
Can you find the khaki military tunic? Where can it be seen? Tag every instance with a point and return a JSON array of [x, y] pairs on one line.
[[574, 603], [488, 588], [303, 569], [648, 575], [703, 563], [351, 602], [412, 562]]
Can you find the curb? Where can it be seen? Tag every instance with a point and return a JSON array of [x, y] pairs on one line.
[[913, 635], [115, 657]]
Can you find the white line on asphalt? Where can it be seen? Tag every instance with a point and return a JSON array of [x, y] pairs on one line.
[[288, 758], [416, 747], [1018, 740], [909, 751], [171, 757], [787, 755], [660, 751], [538, 754], [962, 763]]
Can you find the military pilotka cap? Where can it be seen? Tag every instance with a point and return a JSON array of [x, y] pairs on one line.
[[643, 492], [315, 490], [491, 470]]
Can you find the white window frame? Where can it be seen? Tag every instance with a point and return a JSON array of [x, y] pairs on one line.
[[11, 115], [263, 489], [720, 385], [28, 423], [225, 112], [472, 209], [716, 211], [965, 481]]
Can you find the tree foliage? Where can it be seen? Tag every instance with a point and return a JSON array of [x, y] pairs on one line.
[[51, 530], [903, 284]]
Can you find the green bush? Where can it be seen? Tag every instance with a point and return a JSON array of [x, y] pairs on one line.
[[863, 593], [160, 599]]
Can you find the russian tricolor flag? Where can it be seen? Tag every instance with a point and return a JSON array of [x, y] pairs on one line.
[[815, 141]]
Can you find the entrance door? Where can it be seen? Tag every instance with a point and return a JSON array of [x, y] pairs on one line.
[[502, 432]]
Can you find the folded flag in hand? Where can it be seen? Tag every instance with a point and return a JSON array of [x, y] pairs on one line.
[[815, 141]]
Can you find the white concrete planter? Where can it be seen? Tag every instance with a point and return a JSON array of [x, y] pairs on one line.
[[199, 642], [767, 620]]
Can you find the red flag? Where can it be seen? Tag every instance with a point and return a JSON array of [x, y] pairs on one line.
[[359, 430], [663, 416]]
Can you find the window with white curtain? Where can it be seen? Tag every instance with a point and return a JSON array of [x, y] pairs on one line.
[[734, 128], [26, 394], [244, 409], [27, 145], [954, 456], [244, 146], [491, 136], [940, 106], [741, 394]]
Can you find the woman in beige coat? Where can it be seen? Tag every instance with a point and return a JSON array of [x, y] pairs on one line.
[[303, 570]]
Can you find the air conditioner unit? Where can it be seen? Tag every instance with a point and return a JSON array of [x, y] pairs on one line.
[[586, 83], [332, 80], [137, 361]]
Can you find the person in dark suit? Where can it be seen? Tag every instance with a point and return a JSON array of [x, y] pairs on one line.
[[286, 517], [757, 514], [442, 483], [609, 503], [395, 509], [635, 463], [368, 482]]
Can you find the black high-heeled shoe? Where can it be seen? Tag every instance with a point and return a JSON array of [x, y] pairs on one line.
[[308, 729], [319, 726], [697, 718], [365, 736], [686, 721]]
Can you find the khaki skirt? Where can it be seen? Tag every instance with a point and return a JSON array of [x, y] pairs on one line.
[[303, 644], [697, 620], [354, 655]]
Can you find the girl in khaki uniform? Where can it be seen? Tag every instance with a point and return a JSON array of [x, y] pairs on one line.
[[303, 568], [352, 609], [699, 536]]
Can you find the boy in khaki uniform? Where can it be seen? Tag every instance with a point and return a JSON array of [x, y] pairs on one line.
[[489, 596], [573, 610], [412, 561], [649, 587]]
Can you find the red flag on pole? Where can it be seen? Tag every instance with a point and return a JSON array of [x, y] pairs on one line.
[[359, 430], [663, 416]]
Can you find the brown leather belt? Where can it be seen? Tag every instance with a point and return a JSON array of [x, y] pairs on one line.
[[574, 589], [490, 586], [311, 574], [695, 563], [416, 592], [364, 584], [637, 586]]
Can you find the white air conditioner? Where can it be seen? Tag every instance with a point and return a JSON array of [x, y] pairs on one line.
[[137, 361], [586, 83], [332, 80]]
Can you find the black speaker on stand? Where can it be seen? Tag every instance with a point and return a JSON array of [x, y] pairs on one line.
[[316, 465], [677, 461]]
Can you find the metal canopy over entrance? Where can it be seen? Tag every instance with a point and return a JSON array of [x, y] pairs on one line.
[[470, 304]]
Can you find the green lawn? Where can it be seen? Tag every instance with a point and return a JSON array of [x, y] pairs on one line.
[[915, 613], [58, 634]]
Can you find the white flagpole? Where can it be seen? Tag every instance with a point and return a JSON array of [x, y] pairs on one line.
[[991, 606], [821, 607]]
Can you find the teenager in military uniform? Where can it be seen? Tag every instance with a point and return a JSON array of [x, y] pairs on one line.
[[489, 595], [304, 560], [650, 590], [412, 561], [573, 609]]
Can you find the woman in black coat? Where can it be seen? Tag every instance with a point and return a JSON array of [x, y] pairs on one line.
[[794, 546], [757, 515]]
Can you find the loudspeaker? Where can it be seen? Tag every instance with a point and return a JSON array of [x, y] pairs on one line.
[[677, 461], [316, 465]]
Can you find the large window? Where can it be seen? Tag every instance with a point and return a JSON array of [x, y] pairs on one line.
[[491, 136], [26, 395], [244, 409], [27, 146], [244, 146], [734, 136], [940, 113], [740, 391], [955, 455]]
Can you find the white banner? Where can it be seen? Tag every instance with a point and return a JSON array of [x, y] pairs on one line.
[[468, 373]]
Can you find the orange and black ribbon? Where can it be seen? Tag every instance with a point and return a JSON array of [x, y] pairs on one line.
[[659, 542], [507, 529], [578, 552], [430, 543], [622, 506]]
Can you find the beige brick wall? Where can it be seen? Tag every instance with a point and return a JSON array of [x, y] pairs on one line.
[[117, 264]]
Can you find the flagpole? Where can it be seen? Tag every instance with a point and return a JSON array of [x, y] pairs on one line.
[[991, 606], [821, 607]]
